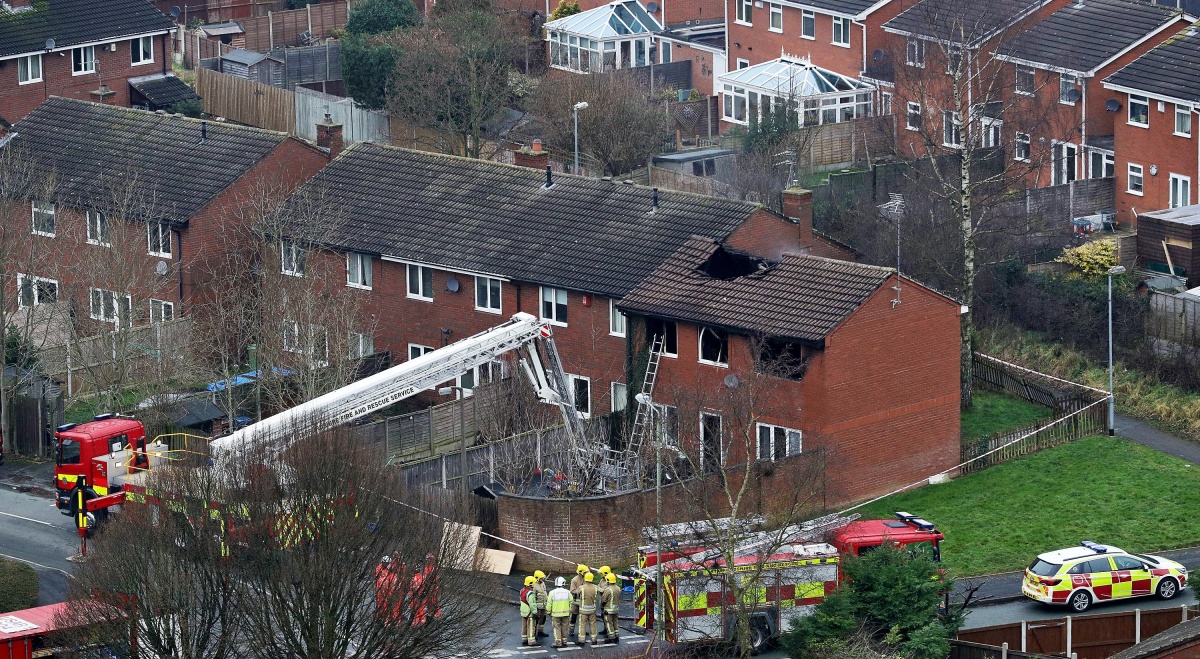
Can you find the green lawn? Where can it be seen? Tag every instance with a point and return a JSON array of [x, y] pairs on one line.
[[1104, 489], [993, 412]]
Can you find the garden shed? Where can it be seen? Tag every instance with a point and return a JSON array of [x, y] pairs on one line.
[[1170, 239]]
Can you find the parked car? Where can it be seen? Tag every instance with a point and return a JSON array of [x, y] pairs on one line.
[[1080, 576]]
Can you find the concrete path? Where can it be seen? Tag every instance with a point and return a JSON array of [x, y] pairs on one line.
[[1147, 435]]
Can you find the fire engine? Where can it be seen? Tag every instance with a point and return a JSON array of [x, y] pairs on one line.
[[698, 604], [105, 462]]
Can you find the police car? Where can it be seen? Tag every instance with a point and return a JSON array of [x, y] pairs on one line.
[[1080, 576]]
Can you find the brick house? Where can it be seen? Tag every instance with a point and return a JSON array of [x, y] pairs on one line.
[[1157, 97], [82, 49], [441, 248], [1063, 59], [819, 340], [175, 182]]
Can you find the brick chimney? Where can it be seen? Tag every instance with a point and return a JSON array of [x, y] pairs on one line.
[[104, 95], [329, 136], [20, 4], [797, 206], [532, 157]]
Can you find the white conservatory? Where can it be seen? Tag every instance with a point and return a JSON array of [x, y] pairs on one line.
[[618, 35], [826, 97]]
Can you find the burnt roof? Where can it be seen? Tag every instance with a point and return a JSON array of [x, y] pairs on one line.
[[969, 22], [91, 148], [1083, 35], [1172, 69], [801, 298], [74, 22], [491, 218]]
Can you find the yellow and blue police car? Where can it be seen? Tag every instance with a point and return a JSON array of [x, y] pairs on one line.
[[1080, 576]]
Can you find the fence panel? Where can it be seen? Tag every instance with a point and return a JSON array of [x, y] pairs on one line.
[[307, 64], [358, 124], [284, 28], [247, 102], [966, 650], [1093, 636], [1174, 319]]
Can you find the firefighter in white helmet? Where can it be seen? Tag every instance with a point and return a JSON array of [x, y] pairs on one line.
[[559, 604], [610, 600]]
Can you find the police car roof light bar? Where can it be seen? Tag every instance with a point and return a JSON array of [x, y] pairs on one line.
[[1098, 548]]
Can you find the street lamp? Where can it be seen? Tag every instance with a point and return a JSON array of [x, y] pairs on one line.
[[1112, 403], [644, 399], [582, 105], [463, 394]]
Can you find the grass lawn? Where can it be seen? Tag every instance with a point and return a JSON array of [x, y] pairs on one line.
[[994, 412], [1104, 489]]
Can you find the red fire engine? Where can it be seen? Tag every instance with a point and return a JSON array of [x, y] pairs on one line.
[[698, 603]]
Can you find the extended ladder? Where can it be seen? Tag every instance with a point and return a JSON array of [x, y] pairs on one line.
[[644, 418]]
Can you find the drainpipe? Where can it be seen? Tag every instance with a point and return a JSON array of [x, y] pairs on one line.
[[855, 21], [1083, 81]]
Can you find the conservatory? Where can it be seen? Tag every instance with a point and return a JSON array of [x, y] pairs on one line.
[[618, 35], [818, 96]]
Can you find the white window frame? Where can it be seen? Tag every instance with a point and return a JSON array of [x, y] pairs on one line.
[[489, 305], [1183, 183], [1058, 167], [359, 270], [1141, 177], [1063, 87], [914, 52], [291, 257], [35, 291], [291, 335], [158, 234], [419, 286], [885, 104], [954, 55], [1032, 72], [1143, 101], [362, 344], [1019, 139], [808, 18], [83, 60], [789, 435], [910, 110], [137, 51], [98, 300], [742, 63], [1186, 111], [554, 303], [1107, 161], [846, 28], [617, 392], [672, 355], [991, 132], [720, 437], [417, 350], [700, 330], [743, 12], [98, 232], [776, 10], [45, 210], [24, 69], [951, 128], [161, 311], [571, 380], [617, 322]]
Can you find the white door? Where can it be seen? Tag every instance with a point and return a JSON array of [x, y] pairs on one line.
[[1181, 190]]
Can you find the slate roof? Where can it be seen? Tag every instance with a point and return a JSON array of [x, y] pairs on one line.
[[1172, 69], [162, 91], [464, 214], [952, 20], [73, 22], [1081, 37], [801, 298], [92, 147]]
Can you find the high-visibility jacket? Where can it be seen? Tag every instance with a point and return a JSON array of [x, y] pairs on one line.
[[528, 605], [589, 595], [611, 599], [559, 602], [539, 594]]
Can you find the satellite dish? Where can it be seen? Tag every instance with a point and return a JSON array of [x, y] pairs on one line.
[[1112, 105], [175, 12], [652, 7], [1073, 95], [50, 43], [452, 285], [732, 381], [161, 268], [878, 55]]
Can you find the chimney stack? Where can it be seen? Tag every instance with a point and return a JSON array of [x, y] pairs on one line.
[[104, 95], [654, 201], [532, 156], [20, 4], [797, 206], [329, 136]]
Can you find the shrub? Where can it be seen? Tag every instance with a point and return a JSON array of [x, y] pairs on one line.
[[380, 16], [1092, 259], [193, 107], [18, 586], [565, 9]]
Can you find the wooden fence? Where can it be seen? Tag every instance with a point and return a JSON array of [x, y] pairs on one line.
[[1174, 319], [247, 102], [1057, 394], [670, 180], [84, 364], [278, 29], [358, 124], [966, 650], [1089, 637]]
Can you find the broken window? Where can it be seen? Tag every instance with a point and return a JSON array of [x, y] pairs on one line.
[[714, 346]]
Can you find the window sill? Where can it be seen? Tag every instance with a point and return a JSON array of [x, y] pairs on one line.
[[1029, 94], [43, 234], [621, 335], [669, 355], [956, 147], [737, 22], [1137, 125], [839, 45], [1062, 102], [97, 243], [735, 121], [83, 73], [914, 65], [30, 82], [1136, 193], [298, 275], [489, 310], [161, 255], [142, 63], [708, 363], [812, 38], [358, 286], [555, 323], [419, 298], [1184, 135], [775, 30], [1020, 159]]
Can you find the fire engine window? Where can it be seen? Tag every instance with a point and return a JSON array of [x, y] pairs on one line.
[[866, 549], [68, 452]]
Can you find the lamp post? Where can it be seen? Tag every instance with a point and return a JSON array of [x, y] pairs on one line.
[[582, 105], [463, 393], [1112, 403], [652, 406]]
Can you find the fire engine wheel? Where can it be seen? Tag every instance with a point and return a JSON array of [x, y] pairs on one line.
[[1167, 588], [760, 637], [1079, 601]]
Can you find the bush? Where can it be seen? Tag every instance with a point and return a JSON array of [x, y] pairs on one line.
[[380, 16], [18, 586], [193, 107], [565, 9], [367, 66], [1092, 259]]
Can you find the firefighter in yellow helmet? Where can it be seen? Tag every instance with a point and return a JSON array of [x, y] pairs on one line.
[[539, 598], [588, 601], [559, 603], [528, 612], [602, 584], [576, 582], [610, 601]]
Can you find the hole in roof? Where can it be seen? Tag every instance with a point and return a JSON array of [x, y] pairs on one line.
[[729, 264]]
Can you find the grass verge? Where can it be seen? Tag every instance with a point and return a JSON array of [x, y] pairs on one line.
[[18, 586], [1105, 489], [993, 412]]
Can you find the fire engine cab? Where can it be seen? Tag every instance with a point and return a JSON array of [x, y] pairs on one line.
[[99, 459]]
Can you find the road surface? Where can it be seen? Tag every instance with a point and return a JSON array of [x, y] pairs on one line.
[[33, 531], [1027, 609]]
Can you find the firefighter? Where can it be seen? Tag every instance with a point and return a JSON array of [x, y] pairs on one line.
[[576, 582], [611, 601], [602, 584], [528, 612], [559, 603], [588, 601], [539, 594]]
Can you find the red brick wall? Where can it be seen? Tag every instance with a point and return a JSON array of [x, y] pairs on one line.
[[757, 43], [1155, 145], [17, 100], [703, 74], [766, 234], [681, 11]]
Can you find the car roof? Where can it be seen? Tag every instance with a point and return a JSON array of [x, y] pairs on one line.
[[1073, 553]]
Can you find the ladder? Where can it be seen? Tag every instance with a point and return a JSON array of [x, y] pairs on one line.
[[643, 420]]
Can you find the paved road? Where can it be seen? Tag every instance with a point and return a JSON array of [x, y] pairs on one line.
[[1026, 609], [34, 532]]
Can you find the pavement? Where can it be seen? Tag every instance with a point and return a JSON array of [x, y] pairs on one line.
[[1147, 435], [32, 530]]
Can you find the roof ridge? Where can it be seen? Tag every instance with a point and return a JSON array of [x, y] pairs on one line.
[[116, 109], [865, 266]]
